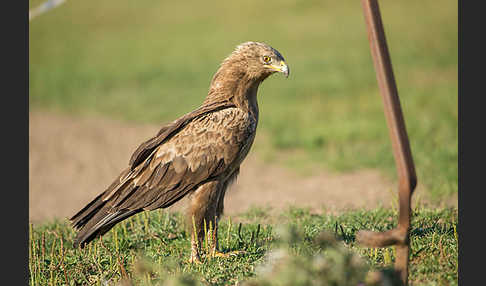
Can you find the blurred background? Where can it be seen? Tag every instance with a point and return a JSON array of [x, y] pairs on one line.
[[105, 75]]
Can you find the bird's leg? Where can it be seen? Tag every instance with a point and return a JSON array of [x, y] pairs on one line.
[[200, 211], [213, 237], [195, 244], [196, 241], [217, 212], [215, 252], [205, 209]]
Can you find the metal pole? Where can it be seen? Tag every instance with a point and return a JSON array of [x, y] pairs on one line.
[[400, 144]]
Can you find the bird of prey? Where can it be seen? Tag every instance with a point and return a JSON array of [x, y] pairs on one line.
[[198, 154]]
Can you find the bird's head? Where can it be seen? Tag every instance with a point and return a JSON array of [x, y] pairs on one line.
[[245, 68], [259, 60]]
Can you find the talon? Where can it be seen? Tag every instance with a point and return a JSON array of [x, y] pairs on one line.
[[195, 260], [227, 254]]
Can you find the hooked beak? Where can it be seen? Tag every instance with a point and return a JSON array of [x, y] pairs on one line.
[[283, 68]]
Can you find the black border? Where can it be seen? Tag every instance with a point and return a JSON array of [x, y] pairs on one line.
[[471, 132], [15, 145]]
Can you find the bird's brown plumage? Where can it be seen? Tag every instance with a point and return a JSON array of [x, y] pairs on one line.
[[198, 154]]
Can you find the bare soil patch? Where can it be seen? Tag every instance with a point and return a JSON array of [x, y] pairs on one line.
[[72, 159]]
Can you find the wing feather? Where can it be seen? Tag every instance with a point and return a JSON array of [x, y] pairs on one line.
[[184, 161], [166, 132]]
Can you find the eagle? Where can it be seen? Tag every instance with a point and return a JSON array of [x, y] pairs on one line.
[[197, 155]]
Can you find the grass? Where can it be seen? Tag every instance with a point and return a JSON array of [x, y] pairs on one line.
[[152, 61], [153, 249]]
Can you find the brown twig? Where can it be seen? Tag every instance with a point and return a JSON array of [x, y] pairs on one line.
[[43, 247], [400, 144], [123, 272], [62, 253]]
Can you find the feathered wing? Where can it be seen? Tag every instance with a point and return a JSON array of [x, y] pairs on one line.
[[190, 151], [169, 130]]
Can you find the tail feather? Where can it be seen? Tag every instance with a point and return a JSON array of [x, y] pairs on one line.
[[82, 217], [95, 219], [99, 224]]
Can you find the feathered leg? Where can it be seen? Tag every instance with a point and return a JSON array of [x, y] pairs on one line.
[[219, 213], [206, 208], [202, 210]]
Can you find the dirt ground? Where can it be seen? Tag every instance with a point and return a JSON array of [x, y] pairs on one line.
[[72, 159]]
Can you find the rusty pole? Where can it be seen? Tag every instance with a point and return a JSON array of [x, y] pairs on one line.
[[407, 179]]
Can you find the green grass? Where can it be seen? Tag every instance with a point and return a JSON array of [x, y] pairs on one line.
[[153, 248], [151, 61]]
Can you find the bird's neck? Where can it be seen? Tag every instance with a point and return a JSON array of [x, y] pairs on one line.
[[237, 87]]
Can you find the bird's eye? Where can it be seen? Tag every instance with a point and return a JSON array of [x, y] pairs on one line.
[[267, 59]]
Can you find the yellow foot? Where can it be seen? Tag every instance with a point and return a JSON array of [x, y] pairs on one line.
[[227, 254], [195, 259]]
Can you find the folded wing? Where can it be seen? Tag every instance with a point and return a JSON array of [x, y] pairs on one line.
[[184, 155]]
